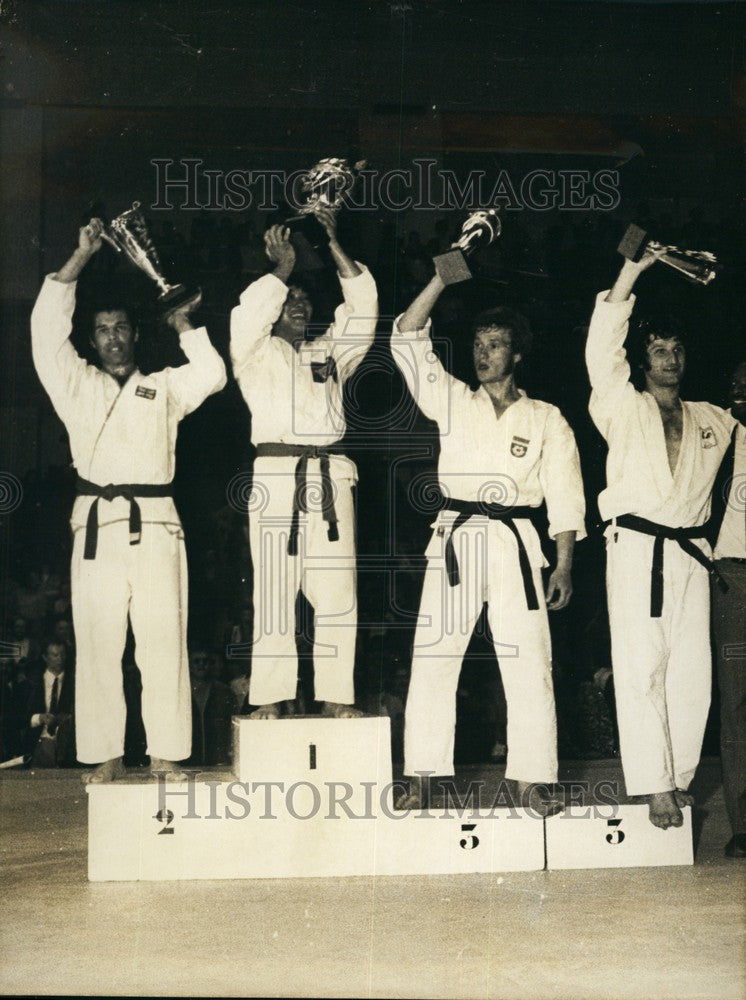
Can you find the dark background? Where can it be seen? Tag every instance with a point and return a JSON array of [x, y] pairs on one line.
[[92, 92]]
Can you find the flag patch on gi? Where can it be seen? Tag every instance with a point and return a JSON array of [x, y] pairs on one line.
[[519, 446], [145, 392], [707, 436]]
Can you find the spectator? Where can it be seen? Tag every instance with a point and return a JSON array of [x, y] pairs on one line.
[[22, 649], [12, 691], [212, 709], [49, 736]]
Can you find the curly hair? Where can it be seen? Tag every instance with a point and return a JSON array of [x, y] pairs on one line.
[[647, 328]]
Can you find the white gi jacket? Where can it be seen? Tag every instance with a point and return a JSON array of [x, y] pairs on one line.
[[527, 456], [118, 435], [287, 404], [638, 476]]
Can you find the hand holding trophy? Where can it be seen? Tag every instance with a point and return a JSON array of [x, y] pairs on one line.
[[128, 233], [479, 229], [699, 266]]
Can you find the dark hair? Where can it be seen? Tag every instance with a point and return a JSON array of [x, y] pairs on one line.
[[505, 318], [113, 303], [647, 328]]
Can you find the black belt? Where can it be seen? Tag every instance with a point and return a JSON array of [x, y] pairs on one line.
[[495, 512], [127, 490], [661, 532], [303, 452]]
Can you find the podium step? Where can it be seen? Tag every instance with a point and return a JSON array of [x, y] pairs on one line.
[[596, 839], [313, 797], [312, 747], [209, 829]]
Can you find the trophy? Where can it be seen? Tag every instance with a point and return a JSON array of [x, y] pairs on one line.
[[327, 183], [480, 229], [129, 233], [698, 266]]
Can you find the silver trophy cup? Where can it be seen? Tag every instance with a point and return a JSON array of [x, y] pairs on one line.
[[699, 266], [327, 183], [128, 234], [479, 230]]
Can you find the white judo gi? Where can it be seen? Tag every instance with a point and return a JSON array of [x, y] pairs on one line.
[[295, 398], [526, 456], [661, 662], [125, 435]]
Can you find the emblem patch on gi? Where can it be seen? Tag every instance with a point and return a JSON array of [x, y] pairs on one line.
[[519, 446], [145, 392], [707, 436], [321, 371]]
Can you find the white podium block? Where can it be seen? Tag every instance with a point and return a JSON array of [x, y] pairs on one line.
[[441, 842], [625, 840], [312, 748], [211, 829]]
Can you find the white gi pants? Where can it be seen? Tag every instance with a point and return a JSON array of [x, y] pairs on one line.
[[489, 571], [148, 581], [322, 569], [662, 666]]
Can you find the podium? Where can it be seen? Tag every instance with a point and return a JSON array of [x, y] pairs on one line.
[[626, 839], [312, 797]]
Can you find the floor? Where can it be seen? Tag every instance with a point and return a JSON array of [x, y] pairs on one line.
[[642, 933]]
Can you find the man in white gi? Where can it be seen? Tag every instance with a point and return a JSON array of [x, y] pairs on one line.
[[729, 616], [663, 457], [128, 551], [501, 456], [301, 523]]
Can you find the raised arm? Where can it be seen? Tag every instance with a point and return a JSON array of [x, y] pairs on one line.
[[89, 243], [430, 384], [261, 303], [354, 327], [608, 368], [417, 315], [346, 266], [57, 363], [190, 384]]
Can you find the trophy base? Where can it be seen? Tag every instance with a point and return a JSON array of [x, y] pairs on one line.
[[176, 297], [633, 243], [452, 267]]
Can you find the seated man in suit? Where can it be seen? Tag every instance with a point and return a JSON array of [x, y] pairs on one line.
[[50, 732]]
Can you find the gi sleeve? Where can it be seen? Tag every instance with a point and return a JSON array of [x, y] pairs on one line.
[[252, 320], [560, 477], [191, 384], [433, 388], [354, 326], [608, 368], [58, 365]]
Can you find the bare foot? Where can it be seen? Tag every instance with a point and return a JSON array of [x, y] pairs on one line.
[[271, 711], [110, 770], [539, 799], [168, 769], [333, 710], [418, 795], [683, 798], [663, 810]]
